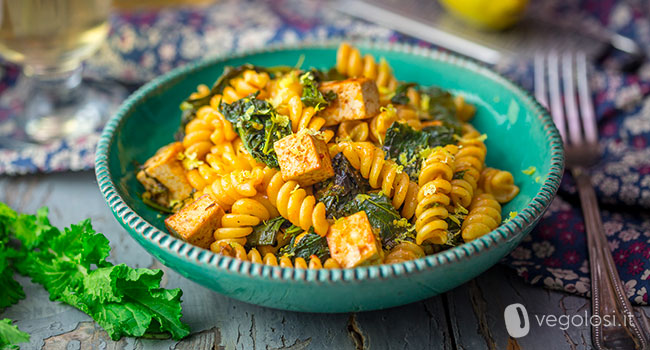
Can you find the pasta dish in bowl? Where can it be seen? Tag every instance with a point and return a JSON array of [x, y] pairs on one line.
[[386, 176]]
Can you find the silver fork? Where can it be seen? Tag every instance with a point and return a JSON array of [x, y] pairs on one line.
[[631, 329]]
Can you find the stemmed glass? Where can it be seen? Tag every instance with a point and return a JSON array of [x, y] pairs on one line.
[[50, 39]]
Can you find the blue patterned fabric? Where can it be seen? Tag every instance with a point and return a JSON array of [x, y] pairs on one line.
[[146, 44]]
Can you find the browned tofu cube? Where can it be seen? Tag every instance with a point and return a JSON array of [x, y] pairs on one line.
[[303, 158], [197, 221], [356, 98], [352, 242], [163, 175]]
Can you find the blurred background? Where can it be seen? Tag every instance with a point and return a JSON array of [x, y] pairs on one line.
[[51, 109]]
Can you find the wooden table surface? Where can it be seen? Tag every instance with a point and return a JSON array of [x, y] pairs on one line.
[[468, 317]]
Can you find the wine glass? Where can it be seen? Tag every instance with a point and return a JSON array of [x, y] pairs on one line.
[[50, 39]]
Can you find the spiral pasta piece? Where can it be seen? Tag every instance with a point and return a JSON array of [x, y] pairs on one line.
[[230, 156], [353, 130], [404, 251], [469, 164], [285, 96], [238, 224], [381, 173], [484, 216], [202, 90], [248, 83], [499, 183], [380, 123], [202, 176], [433, 196], [237, 250], [464, 111], [197, 142], [229, 188], [296, 205], [350, 63], [305, 118]]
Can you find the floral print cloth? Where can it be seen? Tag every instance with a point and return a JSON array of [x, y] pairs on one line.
[[146, 44]]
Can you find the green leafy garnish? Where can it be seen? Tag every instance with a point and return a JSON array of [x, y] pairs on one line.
[[406, 145], [400, 97], [340, 189], [258, 125], [147, 200], [459, 175], [439, 105], [311, 96], [72, 266], [455, 221], [266, 233], [381, 214], [10, 335], [310, 244], [191, 105], [330, 75]]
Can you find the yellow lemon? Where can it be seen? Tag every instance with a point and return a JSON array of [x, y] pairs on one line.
[[487, 14]]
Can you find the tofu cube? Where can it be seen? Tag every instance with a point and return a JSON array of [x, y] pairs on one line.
[[163, 175], [352, 241], [356, 98], [303, 158], [197, 221]]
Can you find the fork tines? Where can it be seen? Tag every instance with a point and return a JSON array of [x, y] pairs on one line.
[[570, 108]]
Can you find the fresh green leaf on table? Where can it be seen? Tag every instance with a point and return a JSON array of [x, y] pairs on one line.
[[130, 302], [11, 291], [71, 265], [11, 336]]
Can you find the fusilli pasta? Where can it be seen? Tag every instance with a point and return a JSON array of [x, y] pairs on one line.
[[499, 183], [237, 250], [350, 63], [295, 205], [247, 144], [381, 174], [469, 163], [433, 196], [245, 213], [484, 216], [404, 251]]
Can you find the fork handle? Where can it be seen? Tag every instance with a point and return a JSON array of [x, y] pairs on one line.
[[609, 300]]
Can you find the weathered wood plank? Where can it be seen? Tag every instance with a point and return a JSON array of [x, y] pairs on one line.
[[476, 312], [421, 325]]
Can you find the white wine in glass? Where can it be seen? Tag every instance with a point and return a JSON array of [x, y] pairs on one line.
[[50, 39]]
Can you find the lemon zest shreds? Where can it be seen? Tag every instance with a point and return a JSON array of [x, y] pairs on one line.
[[530, 170], [511, 216]]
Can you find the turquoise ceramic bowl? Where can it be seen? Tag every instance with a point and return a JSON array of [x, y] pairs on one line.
[[520, 134]]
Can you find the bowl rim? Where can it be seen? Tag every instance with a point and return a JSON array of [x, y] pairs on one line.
[[200, 256]]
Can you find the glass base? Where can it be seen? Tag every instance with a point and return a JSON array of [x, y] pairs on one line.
[[42, 111]]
